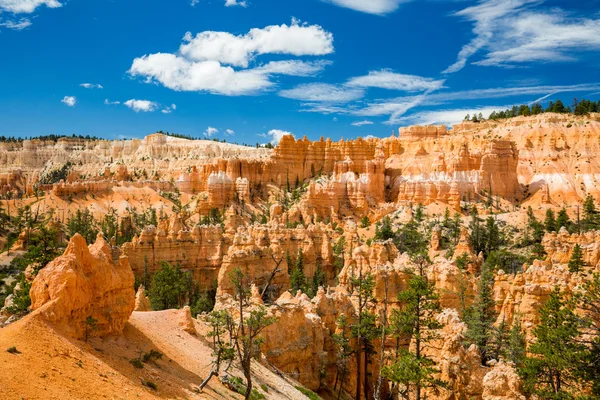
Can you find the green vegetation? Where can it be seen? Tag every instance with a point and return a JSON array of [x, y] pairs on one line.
[[56, 175], [413, 371], [170, 288], [582, 107], [308, 393], [13, 350]]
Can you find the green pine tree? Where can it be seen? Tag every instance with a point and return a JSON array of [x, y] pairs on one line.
[[550, 372], [297, 277], [516, 346], [364, 329], [590, 214], [562, 219], [550, 221], [170, 288], [576, 263], [481, 317], [412, 371]]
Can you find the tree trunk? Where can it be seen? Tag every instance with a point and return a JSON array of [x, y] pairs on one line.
[[358, 369]]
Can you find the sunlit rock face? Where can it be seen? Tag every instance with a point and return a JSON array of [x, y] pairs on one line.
[[85, 282]]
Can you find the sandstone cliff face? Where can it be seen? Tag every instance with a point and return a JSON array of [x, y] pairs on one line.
[[85, 282]]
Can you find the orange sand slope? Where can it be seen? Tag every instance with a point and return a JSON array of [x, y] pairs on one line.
[[52, 366]]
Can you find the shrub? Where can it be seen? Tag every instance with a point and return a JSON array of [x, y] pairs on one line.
[[13, 350], [149, 384], [137, 363], [152, 355], [308, 393]]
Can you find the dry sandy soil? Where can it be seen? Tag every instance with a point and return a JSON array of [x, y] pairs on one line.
[[53, 366]]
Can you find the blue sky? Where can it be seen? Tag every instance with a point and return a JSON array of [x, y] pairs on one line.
[[251, 70]]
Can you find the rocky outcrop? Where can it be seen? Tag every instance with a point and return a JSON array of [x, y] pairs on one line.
[[502, 383], [85, 282], [142, 303]]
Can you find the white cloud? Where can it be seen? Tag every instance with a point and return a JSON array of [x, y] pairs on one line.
[[513, 33], [91, 86], [109, 103], [210, 131], [445, 117], [485, 17], [378, 7], [397, 107], [230, 132], [386, 79], [362, 123], [276, 135], [194, 2], [542, 37], [169, 109], [293, 67], [323, 92], [26, 6], [178, 73], [296, 39], [141, 105], [16, 25], [69, 100], [233, 3]]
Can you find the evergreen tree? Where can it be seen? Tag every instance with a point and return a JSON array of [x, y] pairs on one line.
[[550, 221], [477, 232], [383, 230], [419, 213], [344, 351], [297, 277], [461, 263], [482, 315], [364, 329], [590, 214], [170, 288], [562, 219], [550, 372], [576, 263], [83, 223], [410, 240], [589, 303], [516, 346], [412, 370], [493, 238], [319, 279]]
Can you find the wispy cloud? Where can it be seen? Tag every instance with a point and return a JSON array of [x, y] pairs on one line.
[[378, 7], [513, 32], [91, 86], [387, 79], [230, 132], [108, 102], [18, 25], [323, 92], [445, 117], [169, 109], [362, 123]]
